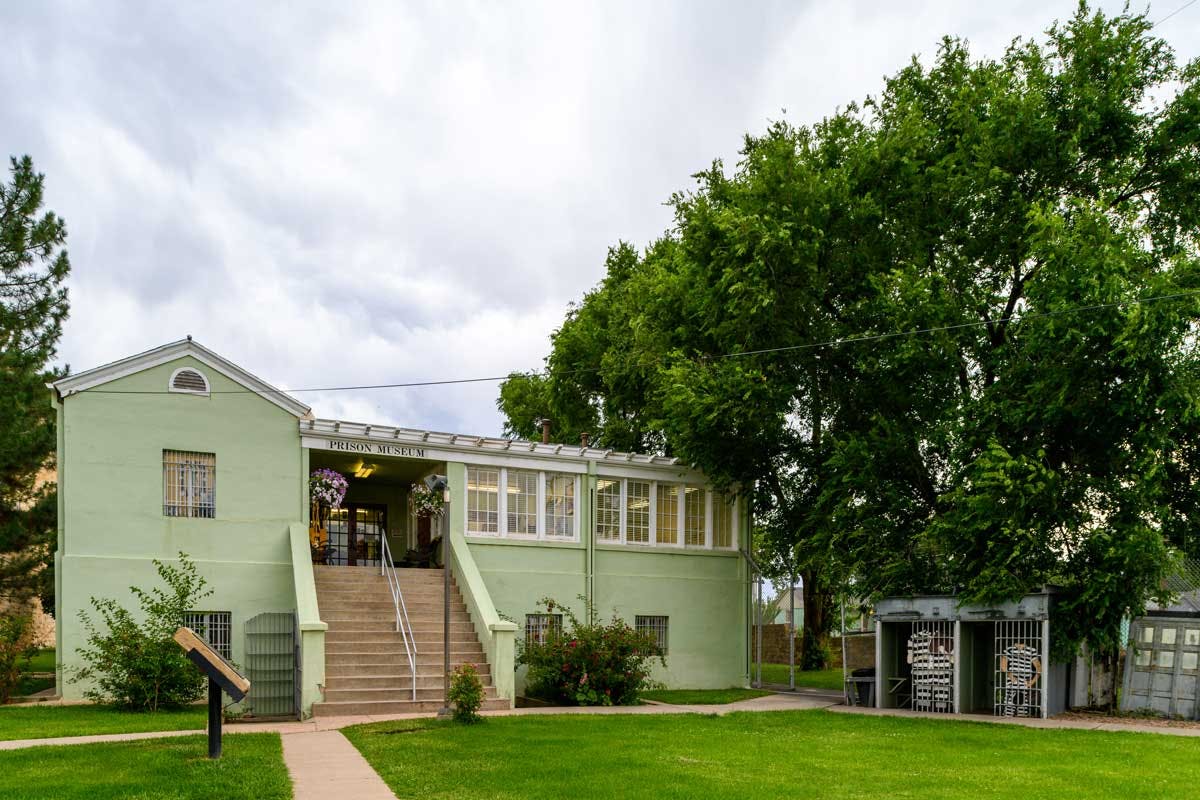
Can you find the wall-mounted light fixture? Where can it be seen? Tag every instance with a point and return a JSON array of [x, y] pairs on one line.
[[363, 470]]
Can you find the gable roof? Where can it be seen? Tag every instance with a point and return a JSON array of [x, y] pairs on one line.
[[82, 381]]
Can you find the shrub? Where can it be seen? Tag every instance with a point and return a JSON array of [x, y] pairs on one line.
[[16, 645], [814, 653], [138, 665], [589, 663], [466, 694]]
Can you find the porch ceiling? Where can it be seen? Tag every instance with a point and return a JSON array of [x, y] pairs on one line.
[[397, 471]]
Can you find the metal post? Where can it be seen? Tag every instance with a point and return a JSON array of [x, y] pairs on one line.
[[444, 711], [792, 633], [758, 613], [845, 673], [214, 719]]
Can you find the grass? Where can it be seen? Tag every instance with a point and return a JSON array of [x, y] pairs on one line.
[[42, 661], [46, 721], [702, 697], [813, 679], [251, 766], [747, 754]]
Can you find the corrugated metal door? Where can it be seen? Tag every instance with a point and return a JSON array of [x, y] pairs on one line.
[[271, 664]]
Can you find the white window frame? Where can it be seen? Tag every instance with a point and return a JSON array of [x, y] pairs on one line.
[[502, 531], [501, 521], [709, 508]]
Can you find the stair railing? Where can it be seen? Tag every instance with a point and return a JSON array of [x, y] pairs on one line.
[[403, 626]]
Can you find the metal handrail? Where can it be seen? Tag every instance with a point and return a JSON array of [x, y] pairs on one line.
[[403, 626]]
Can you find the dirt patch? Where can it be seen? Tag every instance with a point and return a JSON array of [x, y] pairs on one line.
[[1127, 719]]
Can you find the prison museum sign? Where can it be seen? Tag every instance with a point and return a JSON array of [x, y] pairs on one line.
[[376, 449]]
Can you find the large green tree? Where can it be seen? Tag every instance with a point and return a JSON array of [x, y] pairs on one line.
[[1004, 256], [33, 305]]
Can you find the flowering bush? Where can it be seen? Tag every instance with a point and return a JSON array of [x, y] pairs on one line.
[[466, 693], [424, 502], [327, 488], [588, 663]]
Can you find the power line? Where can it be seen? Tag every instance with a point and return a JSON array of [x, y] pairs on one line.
[[1015, 317], [1173, 13]]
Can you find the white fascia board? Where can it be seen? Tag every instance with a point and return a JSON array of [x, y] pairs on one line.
[[107, 373]]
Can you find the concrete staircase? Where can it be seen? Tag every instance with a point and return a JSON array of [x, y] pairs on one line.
[[366, 668]]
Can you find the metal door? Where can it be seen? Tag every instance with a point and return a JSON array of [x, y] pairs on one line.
[[931, 655], [1020, 674], [271, 664], [1161, 666]]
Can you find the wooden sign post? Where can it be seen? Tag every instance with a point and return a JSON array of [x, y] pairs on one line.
[[221, 677]]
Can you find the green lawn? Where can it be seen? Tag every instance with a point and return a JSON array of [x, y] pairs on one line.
[[251, 768], [820, 754], [42, 661], [814, 679], [702, 697], [46, 721]]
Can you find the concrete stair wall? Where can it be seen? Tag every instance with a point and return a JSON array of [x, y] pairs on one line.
[[366, 666]]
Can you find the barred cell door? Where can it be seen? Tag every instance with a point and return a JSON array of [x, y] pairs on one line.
[[271, 664], [1163, 666], [1020, 674], [931, 655]]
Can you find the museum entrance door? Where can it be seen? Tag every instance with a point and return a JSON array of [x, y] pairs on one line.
[[355, 531]]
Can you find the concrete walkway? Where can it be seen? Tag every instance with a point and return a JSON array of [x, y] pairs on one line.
[[323, 764]]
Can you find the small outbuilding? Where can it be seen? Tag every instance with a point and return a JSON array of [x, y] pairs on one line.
[[933, 654], [1162, 661]]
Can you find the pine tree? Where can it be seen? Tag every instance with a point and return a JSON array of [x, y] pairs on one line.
[[33, 306]]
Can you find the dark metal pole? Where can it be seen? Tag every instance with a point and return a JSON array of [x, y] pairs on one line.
[[445, 709], [214, 719]]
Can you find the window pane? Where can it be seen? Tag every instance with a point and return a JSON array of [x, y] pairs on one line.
[[693, 516], [608, 510], [656, 626], [722, 511], [1164, 658], [1168, 636], [1188, 660], [215, 627], [483, 500], [637, 512], [1191, 637], [189, 484], [522, 502], [1148, 634], [667, 524], [560, 505], [540, 627], [1142, 658]]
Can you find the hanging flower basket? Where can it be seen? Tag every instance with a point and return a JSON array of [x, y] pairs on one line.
[[425, 503], [326, 491]]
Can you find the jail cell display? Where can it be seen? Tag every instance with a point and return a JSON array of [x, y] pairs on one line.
[[1018, 668], [931, 655]]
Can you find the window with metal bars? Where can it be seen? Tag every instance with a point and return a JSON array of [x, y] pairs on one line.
[[483, 500], [189, 484], [521, 499], [608, 510], [540, 627], [655, 626], [215, 627]]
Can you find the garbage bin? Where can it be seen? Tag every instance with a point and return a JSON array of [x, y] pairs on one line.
[[863, 687]]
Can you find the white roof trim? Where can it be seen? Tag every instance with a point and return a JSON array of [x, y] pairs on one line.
[[98, 376], [466, 444]]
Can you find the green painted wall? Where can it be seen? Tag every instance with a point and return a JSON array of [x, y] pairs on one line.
[[702, 592], [112, 522]]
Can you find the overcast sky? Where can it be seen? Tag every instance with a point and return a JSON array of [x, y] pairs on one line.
[[349, 193]]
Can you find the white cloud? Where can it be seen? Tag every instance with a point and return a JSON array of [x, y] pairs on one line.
[[378, 193]]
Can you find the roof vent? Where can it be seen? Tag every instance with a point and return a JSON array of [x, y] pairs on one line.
[[189, 381]]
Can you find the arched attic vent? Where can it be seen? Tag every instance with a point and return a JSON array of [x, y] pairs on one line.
[[189, 381]]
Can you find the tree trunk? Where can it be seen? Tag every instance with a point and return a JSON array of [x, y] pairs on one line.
[[818, 619]]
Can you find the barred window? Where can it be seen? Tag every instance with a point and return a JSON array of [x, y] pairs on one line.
[[667, 523], [483, 500], [560, 505], [722, 521], [637, 512], [693, 516], [608, 510], [214, 627], [540, 627], [189, 484], [521, 496], [656, 626]]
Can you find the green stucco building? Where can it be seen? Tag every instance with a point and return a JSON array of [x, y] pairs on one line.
[[179, 450]]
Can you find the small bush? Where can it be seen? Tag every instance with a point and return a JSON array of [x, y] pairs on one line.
[[814, 653], [139, 666], [16, 645], [589, 663], [466, 694]]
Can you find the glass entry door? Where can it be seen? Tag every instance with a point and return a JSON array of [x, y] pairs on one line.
[[355, 533]]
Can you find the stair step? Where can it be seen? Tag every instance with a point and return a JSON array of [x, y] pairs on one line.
[[375, 695], [389, 625], [393, 650], [340, 663], [391, 682], [414, 609], [358, 708]]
